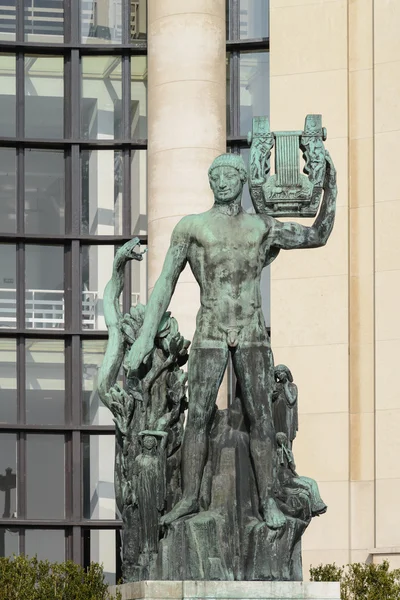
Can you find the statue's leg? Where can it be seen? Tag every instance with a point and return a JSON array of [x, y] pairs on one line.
[[205, 372], [254, 368]]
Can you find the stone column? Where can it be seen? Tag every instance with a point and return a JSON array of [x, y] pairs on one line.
[[187, 127]]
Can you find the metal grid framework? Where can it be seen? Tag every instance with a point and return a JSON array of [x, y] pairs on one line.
[[76, 528]]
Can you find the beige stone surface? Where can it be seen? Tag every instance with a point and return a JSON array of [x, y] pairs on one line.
[[362, 309], [387, 365], [386, 33], [321, 449], [361, 108], [393, 557], [387, 91], [387, 220], [305, 322], [361, 32], [362, 377], [171, 8], [321, 388], [313, 558], [387, 512], [361, 242], [362, 172], [331, 530], [387, 286], [387, 148], [387, 444], [362, 515], [329, 52], [362, 446]]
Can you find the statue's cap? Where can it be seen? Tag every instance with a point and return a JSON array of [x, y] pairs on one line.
[[230, 160]]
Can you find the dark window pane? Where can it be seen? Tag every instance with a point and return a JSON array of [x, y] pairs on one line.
[[7, 95], [8, 187], [103, 547], [44, 280], [45, 472], [44, 97], [9, 542], [45, 382], [138, 116], [8, 478], [101, 103], [228, 94], [93, 411], [98, 477], [47, 544], [8, 309], [8, 378], [101, 21], [254, 88], [44, 191], [254, 19], [7, 20], [138, 19], [102, 180], [44, 21], [139, 191]]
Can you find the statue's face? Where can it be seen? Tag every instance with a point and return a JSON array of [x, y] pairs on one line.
[[226, 184]]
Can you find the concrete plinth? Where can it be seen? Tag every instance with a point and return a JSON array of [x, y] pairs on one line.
[[227, 590]]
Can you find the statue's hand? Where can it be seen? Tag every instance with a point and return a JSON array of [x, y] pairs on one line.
[[139, 353], [330, 173]]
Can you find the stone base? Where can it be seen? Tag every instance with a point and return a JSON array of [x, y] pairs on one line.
[[227, 590]]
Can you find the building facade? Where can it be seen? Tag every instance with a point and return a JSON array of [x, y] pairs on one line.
[[111, 112]]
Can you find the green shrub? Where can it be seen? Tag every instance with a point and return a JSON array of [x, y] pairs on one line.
[[23, 578], [361, 581]]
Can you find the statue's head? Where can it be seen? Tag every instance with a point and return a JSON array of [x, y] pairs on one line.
[[282, 373], [149, 442], [281, 438], [227, 175]]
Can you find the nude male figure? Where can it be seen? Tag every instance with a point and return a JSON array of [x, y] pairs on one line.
[[227, 249]]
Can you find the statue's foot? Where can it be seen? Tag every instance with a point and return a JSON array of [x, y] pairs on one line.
[[272, 515], [319, 509], [186, 506]]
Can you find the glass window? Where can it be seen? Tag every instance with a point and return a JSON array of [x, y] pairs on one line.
[[254, 19], [139, 191], [98, 476], [8, 381], [8, 308], [101, 21], [8, 477], [47, 544], [44, 97], [8, 189], [138, 19], [254, 88], [104, 547], [138, 116], [7, 19], [44, 281], [44, 21], [101, 104], [139, 279], [7, 93], [102, 181], [45, 472], [228, 94], [45, 382], [97, 264], [93, 411], [9, 542], [44, 191]]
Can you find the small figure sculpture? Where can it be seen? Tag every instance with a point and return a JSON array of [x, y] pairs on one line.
[[284, 401]]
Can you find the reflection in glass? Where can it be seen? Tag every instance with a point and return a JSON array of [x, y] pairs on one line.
[[104, 547], [102, 178], [44, 97], [139, 191], [93, 411], [8, 307], [101, 105], [9, 542], [97, 264], [254, 88], [254, 19], [45, 471], [139, 279], [8, 477], [138, 19], [7, 20], [44, 281], [98, 476], [8, 190], [44, 191], [47, 544], [228, 94], [7, 94], [45, 382], [101, 21], [138, 116], [44, 21], [8, 381]]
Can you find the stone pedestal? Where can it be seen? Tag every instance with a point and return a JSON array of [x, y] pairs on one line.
[[227, 590]]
